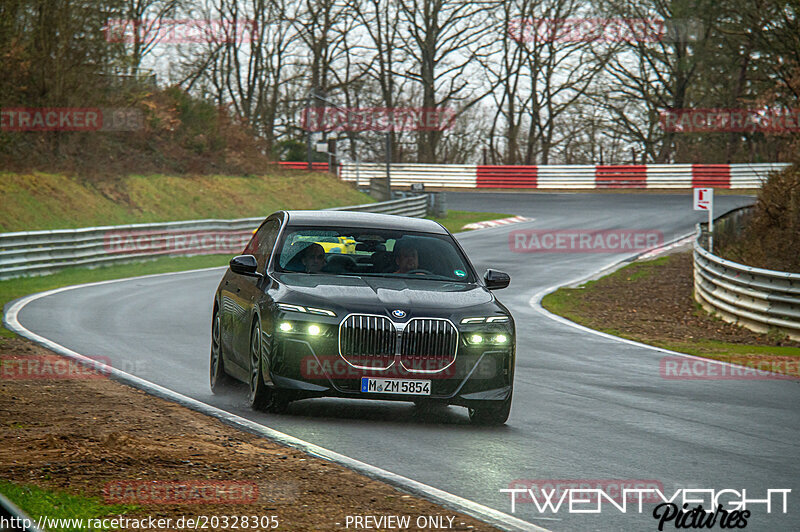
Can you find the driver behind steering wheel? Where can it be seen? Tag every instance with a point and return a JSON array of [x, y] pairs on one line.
[[406, 258]]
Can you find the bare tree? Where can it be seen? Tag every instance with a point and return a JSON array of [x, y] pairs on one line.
[[248, 66], [443, 40], [383, 52], [145, 19], [648, 76]]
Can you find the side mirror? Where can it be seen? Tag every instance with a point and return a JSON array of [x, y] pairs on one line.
[[495, 279], [244, 265]]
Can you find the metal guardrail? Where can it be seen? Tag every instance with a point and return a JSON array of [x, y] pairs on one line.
[[415, 206], [755, 298], [43, 252]]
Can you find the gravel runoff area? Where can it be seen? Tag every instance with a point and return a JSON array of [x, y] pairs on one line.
[[95, 437]]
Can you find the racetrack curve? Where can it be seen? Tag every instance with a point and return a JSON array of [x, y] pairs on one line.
[[585, 406]]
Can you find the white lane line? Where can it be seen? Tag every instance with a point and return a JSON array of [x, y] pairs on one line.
[[454, 502], [536, 303]]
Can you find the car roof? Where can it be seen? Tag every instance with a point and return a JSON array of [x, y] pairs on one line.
[[367, 220]]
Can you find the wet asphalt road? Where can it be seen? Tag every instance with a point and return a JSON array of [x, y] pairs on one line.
[[585, 407]]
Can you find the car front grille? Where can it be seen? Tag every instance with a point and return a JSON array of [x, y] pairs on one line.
[[367, 341], [428, 345]]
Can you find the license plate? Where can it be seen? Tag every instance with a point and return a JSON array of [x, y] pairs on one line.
[[396, 386]]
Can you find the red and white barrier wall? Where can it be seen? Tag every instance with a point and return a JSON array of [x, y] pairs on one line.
[[318, 167], [658, 176]]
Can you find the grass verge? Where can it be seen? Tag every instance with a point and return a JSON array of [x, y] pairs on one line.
[[652, 302], [56, 504], [55, 201]]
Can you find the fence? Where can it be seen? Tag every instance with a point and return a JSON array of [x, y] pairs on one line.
[[658, 176], [755, 298], [42, 252]]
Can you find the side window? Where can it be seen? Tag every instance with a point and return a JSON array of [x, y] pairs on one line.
[[263, 242]]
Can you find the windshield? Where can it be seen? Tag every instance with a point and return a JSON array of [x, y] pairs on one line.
[[372, 252]]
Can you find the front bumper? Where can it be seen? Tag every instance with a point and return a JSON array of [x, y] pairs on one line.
[[312, 367]]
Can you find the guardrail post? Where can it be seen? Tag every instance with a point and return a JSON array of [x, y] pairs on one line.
[[379, 189], [437, 204]]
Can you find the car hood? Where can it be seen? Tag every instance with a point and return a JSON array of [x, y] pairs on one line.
[[383, 294]]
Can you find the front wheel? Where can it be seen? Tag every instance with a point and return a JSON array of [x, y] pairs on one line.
[[262, 397], [218, 379], [491, 413]]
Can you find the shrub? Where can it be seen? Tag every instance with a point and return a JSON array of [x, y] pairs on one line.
[[771, 236]]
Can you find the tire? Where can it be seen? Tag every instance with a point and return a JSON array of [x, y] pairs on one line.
[[262, 396], [219, 380], [491, 413]]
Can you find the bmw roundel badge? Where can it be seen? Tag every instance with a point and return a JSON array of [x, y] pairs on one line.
[[399, 313]]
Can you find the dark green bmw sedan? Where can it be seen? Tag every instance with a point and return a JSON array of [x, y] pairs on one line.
[[399, 314]]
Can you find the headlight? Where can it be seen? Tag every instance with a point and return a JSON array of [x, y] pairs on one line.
[[299, 328], [308, 310], [486, 338], [475, 339]]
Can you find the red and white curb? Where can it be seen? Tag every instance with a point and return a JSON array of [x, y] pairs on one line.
[[663, 249], [497, 223]]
